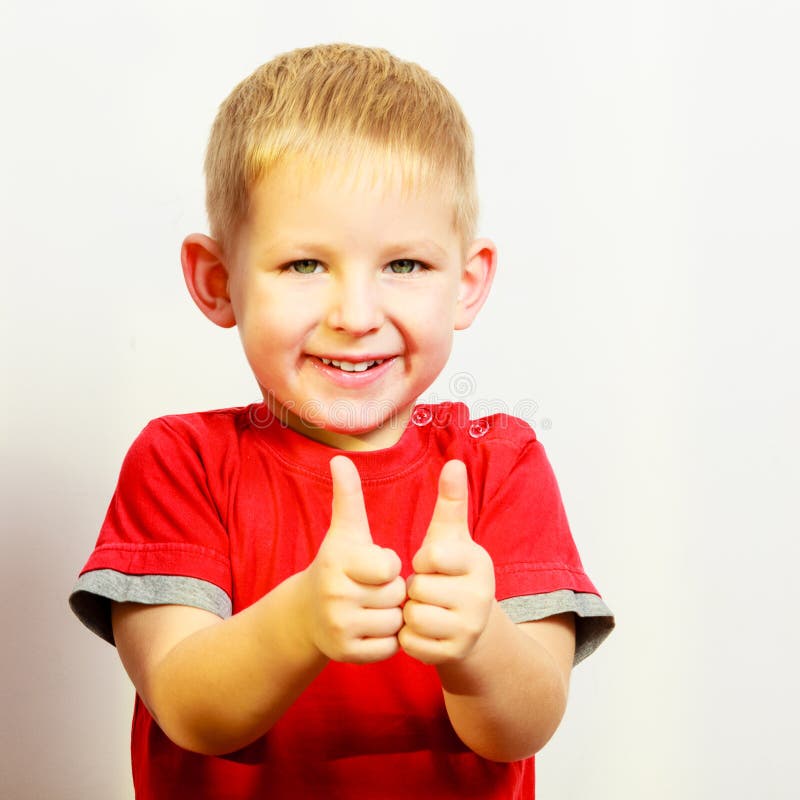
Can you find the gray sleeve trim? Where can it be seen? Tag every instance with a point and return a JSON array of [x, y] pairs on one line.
[[593, 619], [91, 598]]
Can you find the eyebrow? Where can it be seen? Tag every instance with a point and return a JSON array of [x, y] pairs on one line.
[[420, 248]]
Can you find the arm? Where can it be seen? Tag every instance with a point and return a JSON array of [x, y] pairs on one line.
[[506, 699], [505, 685], [214, 686]]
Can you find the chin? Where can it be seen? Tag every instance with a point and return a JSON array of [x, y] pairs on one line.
[[373, 432], [355, 419]]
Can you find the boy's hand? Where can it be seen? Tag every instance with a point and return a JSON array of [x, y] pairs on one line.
[[355, 590], [452, 591]]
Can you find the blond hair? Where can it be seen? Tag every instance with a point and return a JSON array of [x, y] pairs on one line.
[[337, 100]]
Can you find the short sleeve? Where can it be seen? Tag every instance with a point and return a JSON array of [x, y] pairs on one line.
[[163, 539], [523, 525]]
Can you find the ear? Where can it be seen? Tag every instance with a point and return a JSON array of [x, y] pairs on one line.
[[476, 280], [206, 278]]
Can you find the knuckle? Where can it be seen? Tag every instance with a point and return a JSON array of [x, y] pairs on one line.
[[486, 598], [431, 656], [417, 587], [412, 644], [329, 561], [334, 590], [472, 630], [397, 591], [372, 650], [439, 554], [396, 620], [339, 620], [382, 572], [388, 564]]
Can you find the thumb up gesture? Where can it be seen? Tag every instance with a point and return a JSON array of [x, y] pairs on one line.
[[355, 591], [452, 591]]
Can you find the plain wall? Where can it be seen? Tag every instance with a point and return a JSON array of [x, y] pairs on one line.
[[639, 170]]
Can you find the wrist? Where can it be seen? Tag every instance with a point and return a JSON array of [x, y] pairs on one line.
[[299, 617], [468, 675]]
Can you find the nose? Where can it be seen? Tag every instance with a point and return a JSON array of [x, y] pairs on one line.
[[355, 306]]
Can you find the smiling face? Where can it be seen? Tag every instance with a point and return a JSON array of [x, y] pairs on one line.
[[346, 292]]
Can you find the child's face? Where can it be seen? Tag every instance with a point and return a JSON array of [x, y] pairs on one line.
[[329, 268]]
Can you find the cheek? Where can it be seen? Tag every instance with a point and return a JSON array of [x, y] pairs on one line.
[[442, 346], [271, 319], [432, 346], [432, 305], [427, 326]]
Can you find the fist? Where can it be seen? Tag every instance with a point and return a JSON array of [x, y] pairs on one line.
[[354, 588], [451, 592]]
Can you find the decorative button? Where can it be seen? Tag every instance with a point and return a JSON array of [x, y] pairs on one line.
[[478, 428], [421, 415]]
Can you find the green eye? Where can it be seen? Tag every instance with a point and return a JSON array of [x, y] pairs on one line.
[[403, 266], [306, 266]]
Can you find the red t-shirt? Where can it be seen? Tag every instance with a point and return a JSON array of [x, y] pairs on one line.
[[215, 509]]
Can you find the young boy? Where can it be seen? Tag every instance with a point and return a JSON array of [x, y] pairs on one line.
[[397, 622]]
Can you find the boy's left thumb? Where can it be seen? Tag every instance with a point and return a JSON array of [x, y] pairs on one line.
[[451, 512]]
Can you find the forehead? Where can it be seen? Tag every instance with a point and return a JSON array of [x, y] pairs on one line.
[[299, 194], [363, 170]]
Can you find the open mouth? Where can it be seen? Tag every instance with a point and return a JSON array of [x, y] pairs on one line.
[[352, 366]]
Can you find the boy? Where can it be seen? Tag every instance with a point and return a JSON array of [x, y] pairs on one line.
[[397, 622]]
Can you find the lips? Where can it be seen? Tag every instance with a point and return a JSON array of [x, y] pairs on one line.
[[355, 371]]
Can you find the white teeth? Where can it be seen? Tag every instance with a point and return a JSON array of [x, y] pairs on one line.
[[351, 366]]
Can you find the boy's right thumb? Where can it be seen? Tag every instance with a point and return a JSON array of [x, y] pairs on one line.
[[348, 512]]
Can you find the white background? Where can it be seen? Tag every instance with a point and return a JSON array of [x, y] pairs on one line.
[[639, 170]]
